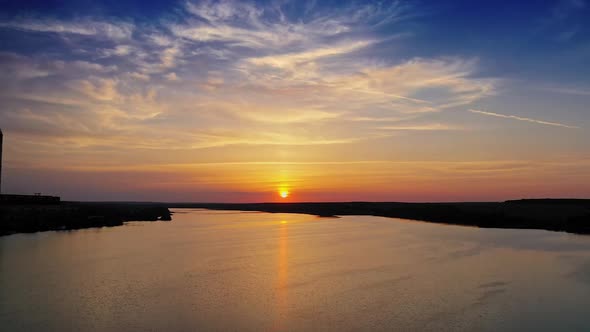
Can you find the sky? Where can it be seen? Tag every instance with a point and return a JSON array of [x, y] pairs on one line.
[[236, 101]]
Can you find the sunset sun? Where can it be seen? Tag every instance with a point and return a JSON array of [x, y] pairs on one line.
[[284, 193]]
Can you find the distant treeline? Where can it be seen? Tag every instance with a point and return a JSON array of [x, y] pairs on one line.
[[570, 215]]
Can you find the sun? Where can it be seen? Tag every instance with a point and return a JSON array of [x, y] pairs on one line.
[[284, 193]]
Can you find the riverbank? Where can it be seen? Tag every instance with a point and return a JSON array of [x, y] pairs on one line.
[[569, 215], [28, 218]]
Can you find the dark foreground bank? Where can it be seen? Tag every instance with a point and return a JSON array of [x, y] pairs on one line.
[[27, 218], [570, 215]]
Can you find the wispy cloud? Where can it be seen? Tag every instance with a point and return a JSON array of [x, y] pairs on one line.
[[246, 25], [117, 31], [519, 118], [426, 127], [260, 88], [579, 91], [225, 73], [294, 60]]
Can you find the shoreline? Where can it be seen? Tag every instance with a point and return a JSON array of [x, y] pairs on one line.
[[566, 215], [64, 216]]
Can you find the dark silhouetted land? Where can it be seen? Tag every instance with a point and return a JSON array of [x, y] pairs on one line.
[[28, 218], [570, 215]]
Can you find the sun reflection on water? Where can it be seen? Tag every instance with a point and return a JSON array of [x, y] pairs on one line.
[[282, 275]]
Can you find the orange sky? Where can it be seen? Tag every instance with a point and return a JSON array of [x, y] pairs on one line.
[[234, 101]]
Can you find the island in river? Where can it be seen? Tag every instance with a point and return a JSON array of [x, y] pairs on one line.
[[570, 215]]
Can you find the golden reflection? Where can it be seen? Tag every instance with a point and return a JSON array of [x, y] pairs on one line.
[[282, 275]]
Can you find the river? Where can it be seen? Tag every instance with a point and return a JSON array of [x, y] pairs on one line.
[[245, 271]]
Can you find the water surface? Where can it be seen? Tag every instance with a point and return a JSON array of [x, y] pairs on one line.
[[234, 271]]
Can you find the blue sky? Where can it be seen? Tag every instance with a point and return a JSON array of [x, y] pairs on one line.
[[95, 90]]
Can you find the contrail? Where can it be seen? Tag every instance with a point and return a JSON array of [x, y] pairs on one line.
[[524, 119]]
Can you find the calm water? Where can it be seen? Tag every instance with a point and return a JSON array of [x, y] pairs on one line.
[[224, 271]]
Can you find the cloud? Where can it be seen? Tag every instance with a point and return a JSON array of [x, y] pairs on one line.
[[291, 61], [160, 39], [219, 11], [427, 127], [251, 75], [381, 119], [119, 50], [93, 67], [116, 31], [96, 88], [225, 138], [254, 90], [275, 36], [579, 91], [416, 86], [172, 77], [138, 76], [268, 29], [523, 119], [267, 114]]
